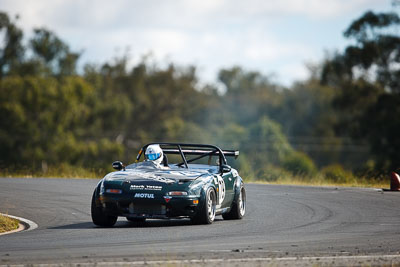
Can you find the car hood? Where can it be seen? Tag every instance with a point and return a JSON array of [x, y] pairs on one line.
[[155, 180], [163, 176]]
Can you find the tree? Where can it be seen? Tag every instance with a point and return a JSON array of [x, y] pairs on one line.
[[367, 77], [12, 51], [249, 95], [53, 53]]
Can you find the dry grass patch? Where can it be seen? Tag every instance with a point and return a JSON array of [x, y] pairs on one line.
[[59, 171], [332, 176], [7, 224], [320, 180]]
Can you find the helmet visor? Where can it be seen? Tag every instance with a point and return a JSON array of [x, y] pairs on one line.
[[153, 156]]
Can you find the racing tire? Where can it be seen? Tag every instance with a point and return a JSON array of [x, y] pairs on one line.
[[206, 213], [136, 220], [99, 217], [238, 208]]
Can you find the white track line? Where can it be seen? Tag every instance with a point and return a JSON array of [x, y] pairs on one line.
[[28, 225]]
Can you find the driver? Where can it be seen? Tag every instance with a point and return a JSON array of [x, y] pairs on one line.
[[155, 154]]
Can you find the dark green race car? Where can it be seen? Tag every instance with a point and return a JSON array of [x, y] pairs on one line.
[[192, 187]]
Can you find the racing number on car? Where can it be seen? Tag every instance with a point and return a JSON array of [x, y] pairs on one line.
[[221, 189]]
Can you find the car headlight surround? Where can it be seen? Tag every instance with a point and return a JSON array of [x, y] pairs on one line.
[[102, 189]]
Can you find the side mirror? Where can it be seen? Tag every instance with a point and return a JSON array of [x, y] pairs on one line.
[[118, 165], [225, 168]]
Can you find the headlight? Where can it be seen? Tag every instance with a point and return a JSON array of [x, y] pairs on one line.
[[102, 189], [177, 193]]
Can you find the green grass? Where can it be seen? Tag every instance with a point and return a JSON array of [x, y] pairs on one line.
[[358, 182], [7, 224], [333, 175], [271, 176], [60, 171]]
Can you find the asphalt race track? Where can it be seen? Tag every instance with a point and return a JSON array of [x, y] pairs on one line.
[[281, 222]]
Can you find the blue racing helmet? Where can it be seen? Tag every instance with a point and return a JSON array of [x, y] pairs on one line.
[[154, 153]]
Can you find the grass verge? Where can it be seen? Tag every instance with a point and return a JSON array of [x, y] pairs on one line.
[[60, 171], [7, 224], [322, 182], [333, 175], [271, 176]]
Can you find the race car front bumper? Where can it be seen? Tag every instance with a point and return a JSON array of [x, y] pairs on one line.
[[161, 208]]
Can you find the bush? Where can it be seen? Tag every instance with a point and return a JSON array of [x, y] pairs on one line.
[[245, 168], [299, 163], [272, 174], [335, 173], [268, 140]]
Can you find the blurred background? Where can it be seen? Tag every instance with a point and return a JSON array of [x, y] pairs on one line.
[[308, 91]]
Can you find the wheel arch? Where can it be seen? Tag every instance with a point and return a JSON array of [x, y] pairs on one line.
[[238, 184]]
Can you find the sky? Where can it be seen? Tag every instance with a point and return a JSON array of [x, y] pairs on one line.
[[277, 38]]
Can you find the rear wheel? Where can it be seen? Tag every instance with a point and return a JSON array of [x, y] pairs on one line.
[[206, 213], [238, 206], [99, 217]]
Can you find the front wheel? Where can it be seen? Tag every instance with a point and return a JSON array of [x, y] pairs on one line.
[[99, 217], [238, 207], [206, 213]]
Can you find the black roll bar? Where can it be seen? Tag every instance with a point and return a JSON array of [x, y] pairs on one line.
[[192, 149]]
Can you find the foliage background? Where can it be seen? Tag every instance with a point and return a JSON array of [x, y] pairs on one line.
[[341, 123]]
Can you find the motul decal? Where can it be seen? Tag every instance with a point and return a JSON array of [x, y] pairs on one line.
[[144, 195]]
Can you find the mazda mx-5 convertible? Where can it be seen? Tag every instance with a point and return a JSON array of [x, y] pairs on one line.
[[171, 180]]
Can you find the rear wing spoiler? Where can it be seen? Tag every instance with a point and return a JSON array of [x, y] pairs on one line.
[[227, 153], [202, 150]]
